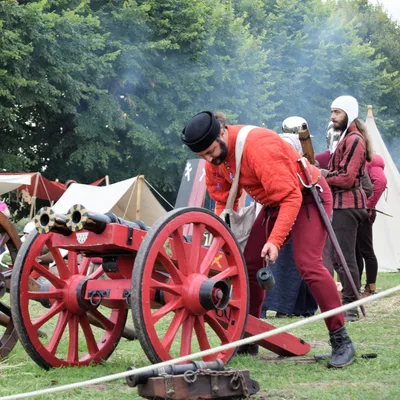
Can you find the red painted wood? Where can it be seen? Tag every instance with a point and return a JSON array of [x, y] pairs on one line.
[[283, 344]]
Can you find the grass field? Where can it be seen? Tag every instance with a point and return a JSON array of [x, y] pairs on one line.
[[365, 380]]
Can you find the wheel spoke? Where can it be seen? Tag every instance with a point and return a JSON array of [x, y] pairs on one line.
[[55, 280], [167, 308], [96, 274], [186, 335], [5, 309], [89, 337], [73, 262], [53, 310], [62, 268], [4, 238], [228, 273], [237, 303], [212, 253], [51, 294], [173, 289], [202, 338], [222, 333], [84, 266], [172, 330], [179, 250], [58, 332], [107, 324], [170, 267], [195, 248], [73, 346]]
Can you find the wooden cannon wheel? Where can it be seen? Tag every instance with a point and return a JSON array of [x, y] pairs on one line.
[[186, 297], [71, 339], [9, 238]]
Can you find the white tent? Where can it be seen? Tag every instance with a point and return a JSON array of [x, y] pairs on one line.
[[130, 199], [12, 182], [386, 229]]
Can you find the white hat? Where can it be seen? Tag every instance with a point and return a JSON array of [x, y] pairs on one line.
[[29, 227], [349, 105]]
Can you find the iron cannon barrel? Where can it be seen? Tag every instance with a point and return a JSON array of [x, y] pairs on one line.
[[134, 380], [78, 218], [46, 220]]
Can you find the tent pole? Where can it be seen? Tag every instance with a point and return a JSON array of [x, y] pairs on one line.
[[33, 203], [138, 196], [107, 180]]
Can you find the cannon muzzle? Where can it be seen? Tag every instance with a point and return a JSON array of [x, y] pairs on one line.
[[46, 220], [79, 217]]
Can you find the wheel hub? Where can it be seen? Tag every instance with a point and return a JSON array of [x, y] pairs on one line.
[[74, 292], [201, 294]]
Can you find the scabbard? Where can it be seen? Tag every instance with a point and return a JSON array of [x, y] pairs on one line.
[[329, 229]]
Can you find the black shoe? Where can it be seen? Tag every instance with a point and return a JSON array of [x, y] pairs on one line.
[[343, 351], [281, 315], [248, 349], [351, 315]]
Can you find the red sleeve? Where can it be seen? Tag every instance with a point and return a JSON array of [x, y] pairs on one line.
[[278, 176], [218, 188], [353, 158], [379, 182], [323, 159]]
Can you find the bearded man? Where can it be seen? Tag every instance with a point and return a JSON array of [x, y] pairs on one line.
[[270, 173], [345, 171]]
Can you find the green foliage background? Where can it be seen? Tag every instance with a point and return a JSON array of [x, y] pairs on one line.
[[96, 87]]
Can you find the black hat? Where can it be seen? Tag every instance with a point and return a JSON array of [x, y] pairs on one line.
[[201, 131]]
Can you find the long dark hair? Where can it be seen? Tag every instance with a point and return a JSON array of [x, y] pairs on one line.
[[363, 130]]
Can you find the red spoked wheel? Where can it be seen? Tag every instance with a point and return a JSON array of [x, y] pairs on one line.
[[10, 240], [187, 297], [53, 304]]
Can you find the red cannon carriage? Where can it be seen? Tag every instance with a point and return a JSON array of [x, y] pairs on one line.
[[184, 296]]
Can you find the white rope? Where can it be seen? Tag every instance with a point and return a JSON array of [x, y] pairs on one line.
[[204, 353], [159, 194]]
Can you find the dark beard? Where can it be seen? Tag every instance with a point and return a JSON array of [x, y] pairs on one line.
[[224, 153], [343, 126]]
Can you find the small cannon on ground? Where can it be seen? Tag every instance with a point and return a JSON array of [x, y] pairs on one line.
[[184, 296]]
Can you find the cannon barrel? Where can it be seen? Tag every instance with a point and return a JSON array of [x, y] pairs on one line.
[[78, 218], [46, 220], [134, 380]]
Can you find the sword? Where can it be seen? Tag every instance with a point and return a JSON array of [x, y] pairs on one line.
[[381, 212], [328, 226]]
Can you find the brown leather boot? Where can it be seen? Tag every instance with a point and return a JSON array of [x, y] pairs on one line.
[[370, 288]]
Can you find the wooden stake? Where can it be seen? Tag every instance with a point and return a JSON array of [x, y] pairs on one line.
[[33, 203]]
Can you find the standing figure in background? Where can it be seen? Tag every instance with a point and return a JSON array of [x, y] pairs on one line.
[[291, 295], [365, 245], [346, 167]]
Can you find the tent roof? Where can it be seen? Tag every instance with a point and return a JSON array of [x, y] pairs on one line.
[[34, 182], [386, 244], [130, 199]]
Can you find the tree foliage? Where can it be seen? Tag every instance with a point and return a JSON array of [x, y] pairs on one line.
[[97, 87]]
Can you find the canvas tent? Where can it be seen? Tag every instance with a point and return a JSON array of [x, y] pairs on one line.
[[130, 199], [36, 186], [386, 229], [33, 182]]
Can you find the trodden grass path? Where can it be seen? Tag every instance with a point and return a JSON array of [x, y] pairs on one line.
[[365, 380]]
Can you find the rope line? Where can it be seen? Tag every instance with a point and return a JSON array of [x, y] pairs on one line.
[[159, 193], [204, 353]]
